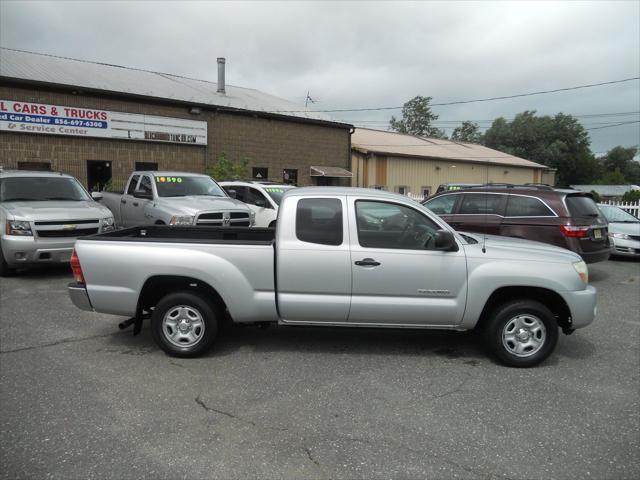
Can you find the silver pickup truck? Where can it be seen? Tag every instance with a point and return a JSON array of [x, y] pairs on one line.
[[339, 257], [176, 198], [41, 215]]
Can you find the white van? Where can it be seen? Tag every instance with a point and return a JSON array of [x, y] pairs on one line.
[[262, 198]]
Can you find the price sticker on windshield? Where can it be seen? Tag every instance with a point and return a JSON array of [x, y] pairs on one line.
[[275, 190]]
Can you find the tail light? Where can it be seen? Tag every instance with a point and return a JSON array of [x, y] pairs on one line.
[[573, 231], [76, 268]]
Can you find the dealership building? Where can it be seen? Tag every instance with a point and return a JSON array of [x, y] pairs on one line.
[[100, 122]]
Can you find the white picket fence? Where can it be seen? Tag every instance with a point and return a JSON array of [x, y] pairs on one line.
[[630, 207]]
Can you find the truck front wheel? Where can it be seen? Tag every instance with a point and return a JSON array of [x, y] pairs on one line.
[[5, 271], [184, 324], [521, 333]]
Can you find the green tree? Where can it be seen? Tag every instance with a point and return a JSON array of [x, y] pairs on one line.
[[622, 159], [226, 169], [417, 119], [615, 177], [558, 142], [467, 132], [631, 196]]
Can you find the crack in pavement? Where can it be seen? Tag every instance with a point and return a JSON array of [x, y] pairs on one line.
[[60, 342], [200, 402], [457, 389], [310, 456]]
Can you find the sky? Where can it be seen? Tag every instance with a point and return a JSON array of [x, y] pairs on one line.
[[350, 55]]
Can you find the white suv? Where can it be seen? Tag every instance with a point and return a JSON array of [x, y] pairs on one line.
[[263, 198]]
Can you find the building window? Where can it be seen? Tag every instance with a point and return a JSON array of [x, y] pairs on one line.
[[260, 173], [402, 189], [98, 174], [146, 166], [290, 175], [34, 166], [425, 191]]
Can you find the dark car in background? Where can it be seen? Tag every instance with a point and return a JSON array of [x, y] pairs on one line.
[[564, 217]]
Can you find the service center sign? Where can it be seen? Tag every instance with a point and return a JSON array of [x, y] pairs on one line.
[[85, 122]]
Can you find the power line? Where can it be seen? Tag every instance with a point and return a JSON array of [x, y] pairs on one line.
[[460, 102], [587, 115], [615, 125]]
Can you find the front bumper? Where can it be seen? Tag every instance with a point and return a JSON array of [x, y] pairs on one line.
[[79, 296], [582, 305], [23, 251], [626, 248]]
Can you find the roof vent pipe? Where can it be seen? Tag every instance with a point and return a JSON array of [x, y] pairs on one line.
[[221, 62]]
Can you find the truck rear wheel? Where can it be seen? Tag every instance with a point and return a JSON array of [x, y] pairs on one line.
[[521, 333], [184, 324]]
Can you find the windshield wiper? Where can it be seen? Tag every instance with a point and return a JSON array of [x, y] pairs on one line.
[[63, 198]]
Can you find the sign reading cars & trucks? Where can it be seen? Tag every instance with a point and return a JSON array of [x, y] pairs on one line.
[[30, 117]]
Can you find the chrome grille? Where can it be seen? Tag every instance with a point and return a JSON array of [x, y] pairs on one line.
[[224, 219]]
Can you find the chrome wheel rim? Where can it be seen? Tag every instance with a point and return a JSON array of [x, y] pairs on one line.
[[524, 335], [183, 326]]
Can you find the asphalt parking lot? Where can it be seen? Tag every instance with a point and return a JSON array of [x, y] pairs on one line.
[[80, 399]]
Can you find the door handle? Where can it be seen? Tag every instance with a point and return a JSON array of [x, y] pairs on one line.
[[123, 201], [367, 262], [135, 204]]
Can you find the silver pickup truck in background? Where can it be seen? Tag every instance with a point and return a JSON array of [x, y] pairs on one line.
[[339, 257], [41, 215], [175, 198]]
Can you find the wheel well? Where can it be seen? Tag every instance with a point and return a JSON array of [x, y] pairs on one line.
[[550, 299], [160, 222], [157, 287]]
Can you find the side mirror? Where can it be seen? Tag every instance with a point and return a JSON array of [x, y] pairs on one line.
[[445, 240], [139, 193], [97, 196], [261, 202]]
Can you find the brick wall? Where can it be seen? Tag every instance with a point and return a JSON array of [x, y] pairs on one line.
[[274, 144]]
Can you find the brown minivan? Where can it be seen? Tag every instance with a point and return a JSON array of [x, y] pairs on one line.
[[563, 217]]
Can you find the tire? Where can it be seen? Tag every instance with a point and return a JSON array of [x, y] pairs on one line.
[[184, 324], [5, 271], [521, 333]]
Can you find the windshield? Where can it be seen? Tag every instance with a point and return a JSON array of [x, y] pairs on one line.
[[181, 186], [276, 193], [617, 215], [582, 206], [37, 189]]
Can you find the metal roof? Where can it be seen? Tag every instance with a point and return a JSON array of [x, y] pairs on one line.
[[607, 190], [82, 74], [324, 171], [392, 143]]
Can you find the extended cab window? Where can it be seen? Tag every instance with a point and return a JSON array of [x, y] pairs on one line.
[[518, 206], [145, 184], [132, 184], [389, 225], [442, 205], [481, 204], [319, 220]]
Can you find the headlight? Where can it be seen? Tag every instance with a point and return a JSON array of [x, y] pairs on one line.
[[252, 218], [623, 236], [181, 220], [582, 270], [18, 227], [108, 224]]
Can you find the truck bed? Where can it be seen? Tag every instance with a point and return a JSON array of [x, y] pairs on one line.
[[169, 234]]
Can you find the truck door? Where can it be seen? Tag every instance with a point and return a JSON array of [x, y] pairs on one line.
[[398, 278], [313, 261], [136, 206], [127, 200]]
